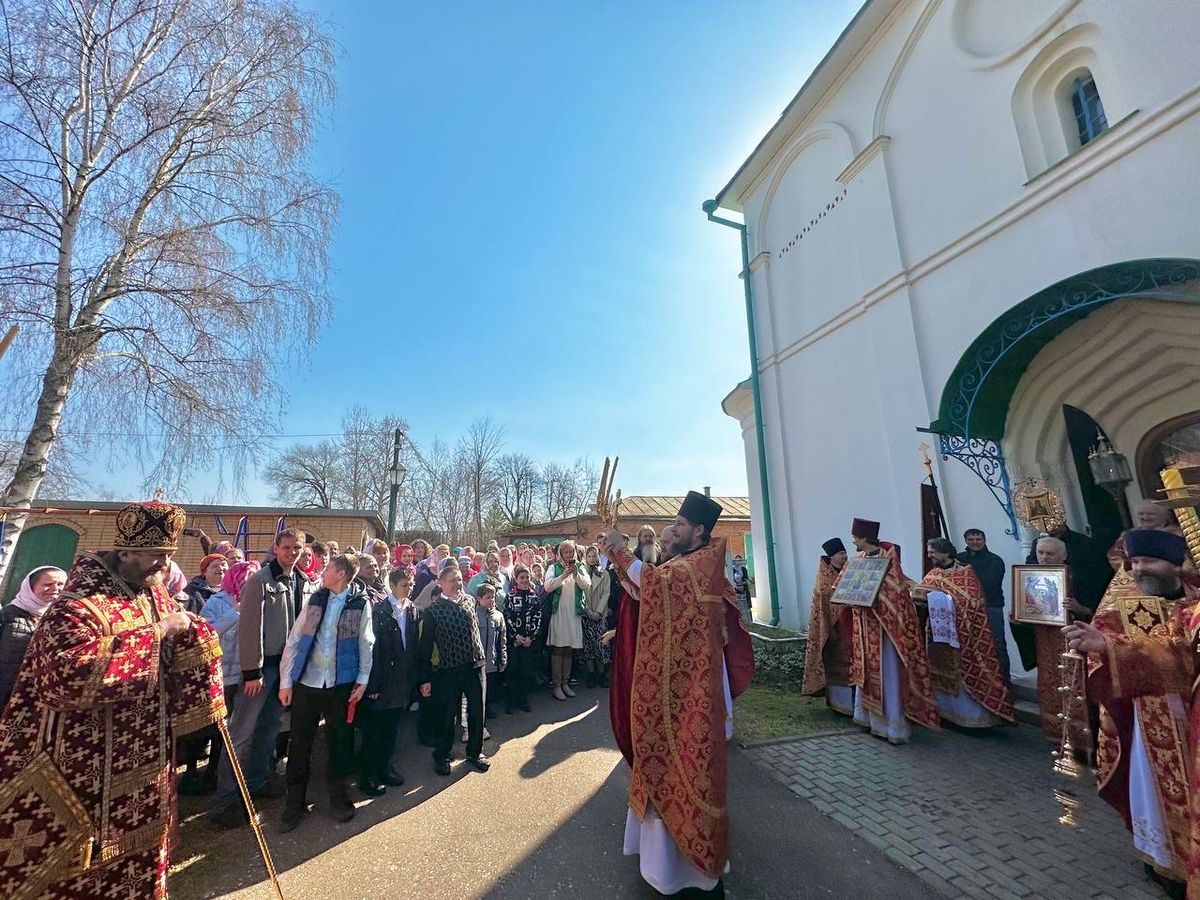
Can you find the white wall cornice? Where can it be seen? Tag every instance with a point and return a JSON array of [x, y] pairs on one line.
[[860, 162], [762, 259]]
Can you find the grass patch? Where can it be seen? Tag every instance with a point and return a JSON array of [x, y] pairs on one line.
[[764, 713], [776, 632]]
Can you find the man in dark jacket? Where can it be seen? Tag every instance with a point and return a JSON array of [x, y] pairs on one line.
[[450, 626], [990, 569], [395, 621]]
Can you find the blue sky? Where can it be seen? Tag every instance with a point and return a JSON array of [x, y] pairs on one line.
[[521, 233]]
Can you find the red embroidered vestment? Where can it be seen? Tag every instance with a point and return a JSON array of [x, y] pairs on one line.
[[87, 740]]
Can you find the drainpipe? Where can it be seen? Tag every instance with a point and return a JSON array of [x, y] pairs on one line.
[[710, 207]]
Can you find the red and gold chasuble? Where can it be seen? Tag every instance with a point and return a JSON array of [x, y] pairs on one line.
[[1124, 612], [87, 741], [825, 636], [1152, 660], [688, 622], [893, 614], [975, 665]]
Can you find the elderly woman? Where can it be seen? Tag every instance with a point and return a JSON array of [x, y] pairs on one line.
[[19, 619], [566, 590], [212, 569], [223, 612], [596, 654]]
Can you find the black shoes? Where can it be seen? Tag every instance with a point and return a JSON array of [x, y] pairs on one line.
[[369, 787], [340, 805], [393, 780], [294, 811], [232, 815], [489, 713], [441, 766], [479, 763]]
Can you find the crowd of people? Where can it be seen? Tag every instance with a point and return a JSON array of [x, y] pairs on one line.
[[269, 651]]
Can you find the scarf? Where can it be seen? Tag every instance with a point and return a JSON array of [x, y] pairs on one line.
[[26, 599], [580, 596]]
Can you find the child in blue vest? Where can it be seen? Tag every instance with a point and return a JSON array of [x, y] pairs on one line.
[[324, 673]]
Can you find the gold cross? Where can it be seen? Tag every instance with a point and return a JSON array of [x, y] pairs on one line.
[[21, 841]]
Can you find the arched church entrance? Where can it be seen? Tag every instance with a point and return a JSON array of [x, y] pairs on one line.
[[1113, 352]]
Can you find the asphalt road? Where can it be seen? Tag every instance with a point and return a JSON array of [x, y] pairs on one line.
[[546, 821]]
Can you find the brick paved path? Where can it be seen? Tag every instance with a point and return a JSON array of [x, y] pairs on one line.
[[972, 814]]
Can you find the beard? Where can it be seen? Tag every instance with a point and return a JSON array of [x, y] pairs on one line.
[[647, 553], [1157, 585]]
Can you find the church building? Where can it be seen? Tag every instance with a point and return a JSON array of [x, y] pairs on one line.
[[976, 226]]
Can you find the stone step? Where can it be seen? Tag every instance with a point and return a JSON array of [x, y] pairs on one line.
[[1028, 712]]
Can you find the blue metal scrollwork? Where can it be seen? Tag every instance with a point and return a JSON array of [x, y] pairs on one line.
[[974, 408], [986, 460]]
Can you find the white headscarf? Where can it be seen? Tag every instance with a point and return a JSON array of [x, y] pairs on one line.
[[26, 599]]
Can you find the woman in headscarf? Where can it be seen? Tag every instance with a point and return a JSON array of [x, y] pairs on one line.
[[221, 611], [402, 558], [596, 654], [19, 619], [212, 569]]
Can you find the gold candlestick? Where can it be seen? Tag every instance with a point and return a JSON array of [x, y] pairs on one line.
[[1072, 669]]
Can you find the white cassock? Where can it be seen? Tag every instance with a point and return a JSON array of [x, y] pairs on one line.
[[661, 864], [892, 724], [960, 707], [1145, 812]]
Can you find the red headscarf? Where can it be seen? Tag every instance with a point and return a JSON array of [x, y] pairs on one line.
[[209, 560]]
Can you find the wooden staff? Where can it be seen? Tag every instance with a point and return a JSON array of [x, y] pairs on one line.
[[255, 824]]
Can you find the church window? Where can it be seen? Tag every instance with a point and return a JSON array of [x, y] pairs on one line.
[[1090, 120]]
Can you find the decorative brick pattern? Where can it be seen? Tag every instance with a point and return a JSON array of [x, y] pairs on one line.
[[973, 815]]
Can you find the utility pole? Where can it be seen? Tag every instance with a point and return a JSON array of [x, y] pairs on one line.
[[397, 473]]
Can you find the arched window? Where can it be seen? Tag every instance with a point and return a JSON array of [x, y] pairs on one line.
[[1090, 121]]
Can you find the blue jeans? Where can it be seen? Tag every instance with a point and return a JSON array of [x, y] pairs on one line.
[[999, 625], [253, 728]]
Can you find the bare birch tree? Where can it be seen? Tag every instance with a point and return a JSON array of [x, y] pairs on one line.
[[162, 242], [519, 485], [477, 453]]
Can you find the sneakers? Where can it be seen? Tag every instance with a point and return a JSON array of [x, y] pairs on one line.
[[441, 766], [566, 689], [479, 763], [558, 693]]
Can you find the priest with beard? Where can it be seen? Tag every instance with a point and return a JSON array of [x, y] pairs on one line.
[[114, 676], [968, 681], [888, 666], [827, 658], [693, 656], [1142, 670]]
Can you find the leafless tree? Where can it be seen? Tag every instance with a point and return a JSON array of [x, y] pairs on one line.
[[348, 472], [477, 453], [162, 243], [519, 485], [306, 476]]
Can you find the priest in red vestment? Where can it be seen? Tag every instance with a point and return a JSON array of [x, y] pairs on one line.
[[1143, 754], [827, 656], [693, 656], [888, 666], [968, 682], [114, 675], [624, 638]]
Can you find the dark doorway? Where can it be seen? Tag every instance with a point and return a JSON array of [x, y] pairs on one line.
[[1104, 519]]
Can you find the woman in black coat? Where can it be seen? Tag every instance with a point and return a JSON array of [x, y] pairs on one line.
[[19, 619], [395, 623]]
